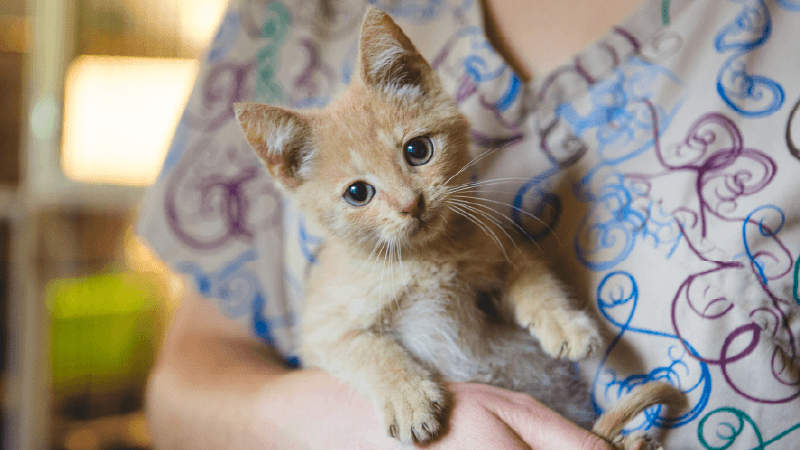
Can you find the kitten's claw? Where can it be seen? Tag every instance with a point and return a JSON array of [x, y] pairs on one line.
[[567, 334], [639, 440], [590, 349], [414, 414]]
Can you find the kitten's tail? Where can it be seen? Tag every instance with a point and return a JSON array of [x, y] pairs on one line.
[[610, 424]]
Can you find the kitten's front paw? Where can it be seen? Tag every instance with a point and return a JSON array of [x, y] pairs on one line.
[[565, 333], [414, 413]]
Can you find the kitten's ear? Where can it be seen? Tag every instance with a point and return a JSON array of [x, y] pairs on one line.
[[388, 61], [280, 137]]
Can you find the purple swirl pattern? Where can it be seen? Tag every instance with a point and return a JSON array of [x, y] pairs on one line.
[[726, 171], [316, 83], [217, 197], [225, 84]]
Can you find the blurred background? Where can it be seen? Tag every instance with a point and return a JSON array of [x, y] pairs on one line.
[[90, 92]]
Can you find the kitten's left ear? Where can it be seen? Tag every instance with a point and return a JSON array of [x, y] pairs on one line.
[[388, 61]]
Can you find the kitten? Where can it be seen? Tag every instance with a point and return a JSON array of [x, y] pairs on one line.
[[383, 171]]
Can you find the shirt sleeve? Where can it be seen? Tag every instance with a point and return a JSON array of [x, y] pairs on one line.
[[213, 213]]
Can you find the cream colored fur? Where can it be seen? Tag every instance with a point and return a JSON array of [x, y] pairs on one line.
[[420, 285]]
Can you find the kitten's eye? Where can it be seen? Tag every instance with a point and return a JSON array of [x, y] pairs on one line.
[[359, 193], [418, 151]]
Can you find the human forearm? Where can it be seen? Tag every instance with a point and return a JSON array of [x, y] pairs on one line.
[[203, 398], [278, 411], [216, 389]]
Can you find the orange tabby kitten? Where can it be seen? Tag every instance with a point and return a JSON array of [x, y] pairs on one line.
[[381, 171]]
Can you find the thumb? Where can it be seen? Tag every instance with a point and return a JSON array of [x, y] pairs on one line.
[[541, 428]]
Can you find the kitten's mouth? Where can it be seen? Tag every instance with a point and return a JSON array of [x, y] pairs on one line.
[[416, 227], [422, 226]]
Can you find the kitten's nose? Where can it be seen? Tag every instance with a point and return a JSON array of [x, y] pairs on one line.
[[414, 207]]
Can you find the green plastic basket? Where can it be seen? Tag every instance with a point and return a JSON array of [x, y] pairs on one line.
[[104, 330]]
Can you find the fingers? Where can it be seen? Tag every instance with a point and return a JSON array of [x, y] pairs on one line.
[[541, 428], [471, 426], [489, 418], [498, 437]]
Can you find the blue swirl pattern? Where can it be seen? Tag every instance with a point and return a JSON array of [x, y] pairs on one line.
[[749, 95], [621, 215], [618, 299]]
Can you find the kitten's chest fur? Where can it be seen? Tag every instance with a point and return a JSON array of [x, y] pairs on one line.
[[446, 313], [378, 291], [429, 306]]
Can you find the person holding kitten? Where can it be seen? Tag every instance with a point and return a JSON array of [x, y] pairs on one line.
[[659, 177]]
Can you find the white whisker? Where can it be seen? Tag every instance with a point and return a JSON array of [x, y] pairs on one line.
[[377, 255], [488, 210], [392, 249], [478, 190], [402, 272], [482, 226], [520, 210], [374, 249], [473, 162], [476, 159], [473, 207], [491, 182], [380, 286]]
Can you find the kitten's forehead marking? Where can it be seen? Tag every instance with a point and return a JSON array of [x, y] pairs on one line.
[[372, 153], [388, 139], [358, 162]]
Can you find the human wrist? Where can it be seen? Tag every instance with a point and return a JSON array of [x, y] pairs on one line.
[[314, 410]]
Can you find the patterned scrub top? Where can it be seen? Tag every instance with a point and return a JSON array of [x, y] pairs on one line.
[[664, 163]]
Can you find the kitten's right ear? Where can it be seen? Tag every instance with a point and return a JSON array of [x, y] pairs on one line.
[[280, 137]]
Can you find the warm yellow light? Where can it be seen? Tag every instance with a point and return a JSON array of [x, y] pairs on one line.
[[199, 20], [120, 114]]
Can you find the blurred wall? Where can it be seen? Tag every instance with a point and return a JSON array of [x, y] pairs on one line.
[[80, 298]]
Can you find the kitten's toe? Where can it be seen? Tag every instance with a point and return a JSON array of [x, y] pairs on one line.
[[414, 414], [639, 440], [573, 337]]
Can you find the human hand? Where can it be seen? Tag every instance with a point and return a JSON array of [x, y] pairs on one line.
[[486, 417], [481, 418]]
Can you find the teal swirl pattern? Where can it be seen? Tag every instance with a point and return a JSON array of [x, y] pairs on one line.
[[729, 425], [274, 32]]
